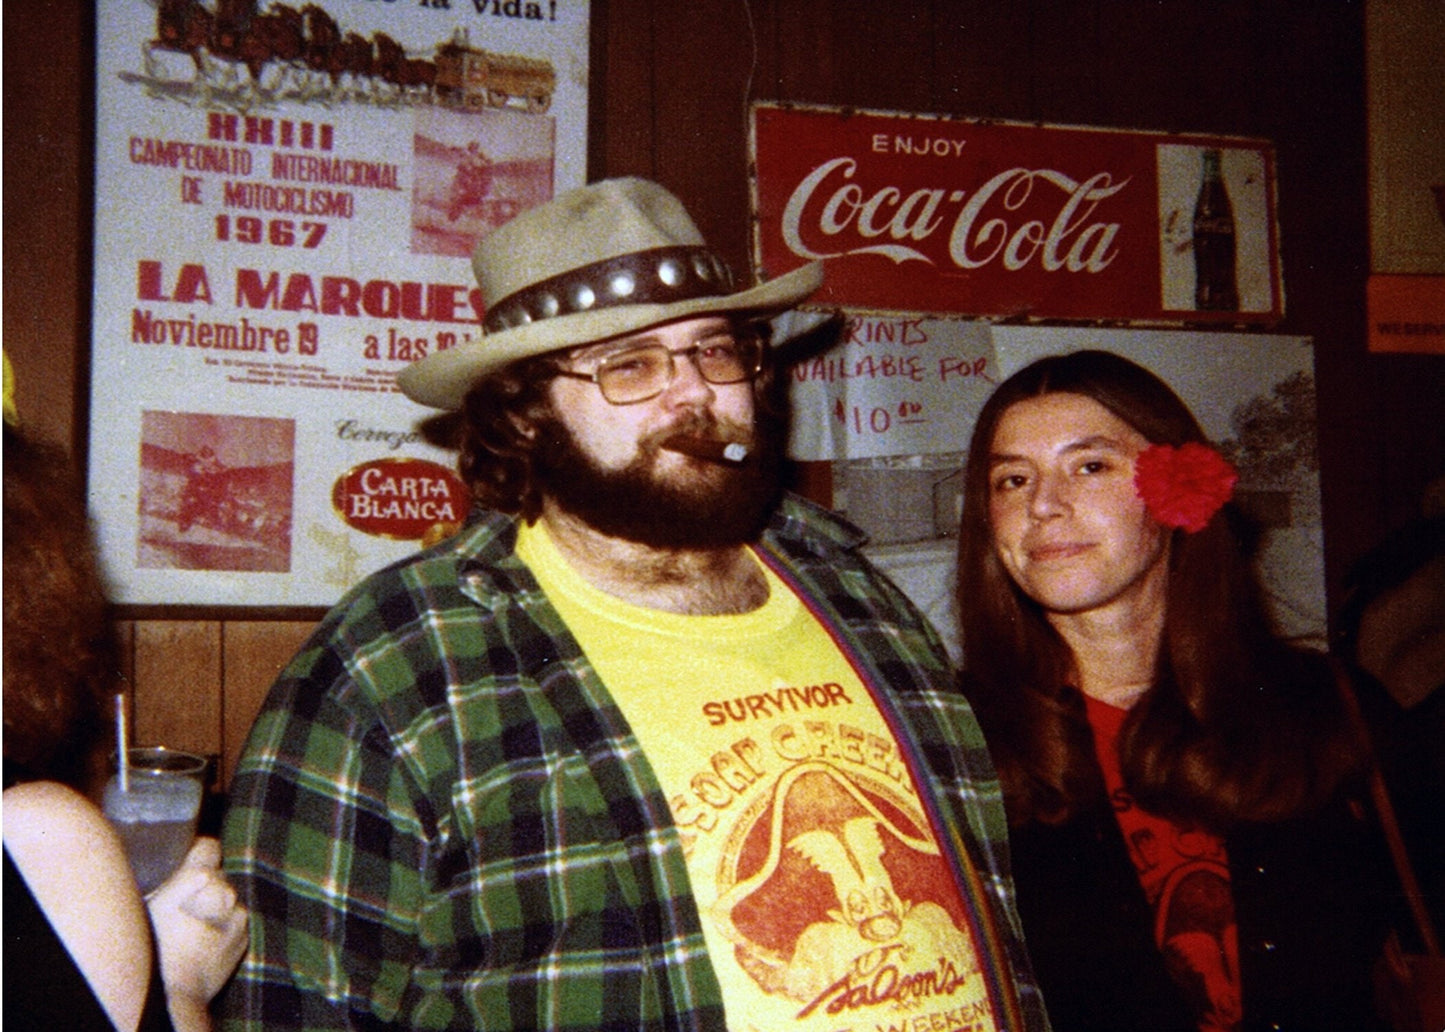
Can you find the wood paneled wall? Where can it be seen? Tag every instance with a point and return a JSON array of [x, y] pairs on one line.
[[671, 84], [197, 684]]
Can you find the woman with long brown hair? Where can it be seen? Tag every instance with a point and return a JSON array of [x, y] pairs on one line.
[[1186, 844]]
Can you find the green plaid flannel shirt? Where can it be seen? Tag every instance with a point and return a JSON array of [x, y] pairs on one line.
[[442, 821]]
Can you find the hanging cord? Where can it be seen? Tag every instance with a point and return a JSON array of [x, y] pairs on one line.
[[752, 68], [748, 156]]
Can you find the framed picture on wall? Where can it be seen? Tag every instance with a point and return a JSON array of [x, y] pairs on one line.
[[1254, 396]]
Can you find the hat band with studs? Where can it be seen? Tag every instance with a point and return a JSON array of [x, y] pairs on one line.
[[660, 276]]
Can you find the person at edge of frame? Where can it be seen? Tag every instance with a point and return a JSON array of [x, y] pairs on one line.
[[83, 949], [648, 744], [1189, 832]]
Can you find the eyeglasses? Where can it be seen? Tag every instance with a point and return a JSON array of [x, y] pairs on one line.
[[640, 373]]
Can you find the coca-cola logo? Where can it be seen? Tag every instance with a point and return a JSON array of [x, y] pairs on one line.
[[401, 498], [1019, 217]]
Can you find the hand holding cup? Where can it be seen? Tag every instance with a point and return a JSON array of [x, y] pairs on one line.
[[200, 929]]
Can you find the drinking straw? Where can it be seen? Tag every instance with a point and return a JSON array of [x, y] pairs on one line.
[[122, 753]]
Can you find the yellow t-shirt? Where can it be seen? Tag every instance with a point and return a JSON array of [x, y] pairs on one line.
[[825, 899]]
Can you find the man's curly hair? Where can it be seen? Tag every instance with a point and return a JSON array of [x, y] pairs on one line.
[[497, 440]]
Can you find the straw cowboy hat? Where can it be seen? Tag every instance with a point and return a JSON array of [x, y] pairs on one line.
[[600, 261]]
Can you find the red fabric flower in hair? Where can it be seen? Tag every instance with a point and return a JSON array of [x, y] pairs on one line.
[[1184, 486]]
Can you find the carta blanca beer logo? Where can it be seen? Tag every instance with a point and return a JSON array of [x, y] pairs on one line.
[[401, 498]]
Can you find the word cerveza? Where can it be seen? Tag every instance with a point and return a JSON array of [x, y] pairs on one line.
[[321, 295]]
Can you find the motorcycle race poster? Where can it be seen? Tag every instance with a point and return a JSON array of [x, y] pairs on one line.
[[287, 198]]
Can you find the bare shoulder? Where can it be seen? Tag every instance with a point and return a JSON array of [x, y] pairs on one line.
[[74, 864], [66, 849], [52, 816]]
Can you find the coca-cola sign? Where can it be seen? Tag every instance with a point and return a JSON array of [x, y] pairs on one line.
[[1008, 221]]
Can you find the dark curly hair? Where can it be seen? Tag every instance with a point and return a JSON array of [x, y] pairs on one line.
[[496, 440], [498, 413], [59, 647]]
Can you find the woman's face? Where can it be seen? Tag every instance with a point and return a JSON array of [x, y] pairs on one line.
[[1067, 523]]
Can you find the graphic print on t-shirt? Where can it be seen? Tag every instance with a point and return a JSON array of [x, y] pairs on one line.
[[1185, 875], [832, 890], [826, 900]]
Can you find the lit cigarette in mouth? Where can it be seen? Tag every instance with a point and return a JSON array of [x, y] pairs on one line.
[[707, 448]]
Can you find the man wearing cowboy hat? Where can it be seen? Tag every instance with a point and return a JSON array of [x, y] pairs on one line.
[[647, 744]]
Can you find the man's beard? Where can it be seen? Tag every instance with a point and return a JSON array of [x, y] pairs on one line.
[[700, 504]]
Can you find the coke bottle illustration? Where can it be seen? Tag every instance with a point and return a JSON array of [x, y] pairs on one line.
[[1214, 281]]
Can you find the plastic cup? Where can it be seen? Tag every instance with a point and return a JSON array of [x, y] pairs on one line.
[[156, 814]]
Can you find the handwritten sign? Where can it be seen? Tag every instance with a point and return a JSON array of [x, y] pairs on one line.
[[894, 385]]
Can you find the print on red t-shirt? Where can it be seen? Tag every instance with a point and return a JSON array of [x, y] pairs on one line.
[[1185, 874]]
